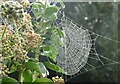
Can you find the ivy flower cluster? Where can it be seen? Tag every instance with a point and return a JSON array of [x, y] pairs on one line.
[[12, 10], [58, 80], [18, 36]]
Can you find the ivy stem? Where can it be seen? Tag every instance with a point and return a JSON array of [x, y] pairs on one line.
[[20, 78], [8, 57], [20, 74], [20, 67], [3, 32]]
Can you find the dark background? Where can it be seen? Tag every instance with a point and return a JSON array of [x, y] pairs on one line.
[[102, 18]]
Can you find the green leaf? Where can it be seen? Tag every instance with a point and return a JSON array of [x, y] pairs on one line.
[[44, 71], [37, 9], [8, 80], [52, 18], [50, 11], [39, 67], [47, 24], [27, 75], [58, 32], [37, 5], [54, 67], [56, 37], [33, 66], [13, 68], [0, 81], [50, 51], [43, 81]]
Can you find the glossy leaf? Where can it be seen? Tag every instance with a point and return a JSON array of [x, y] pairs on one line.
[[44, 71], [8, 80], [56, 36], [50, 51], [50, 11], [37, 9], [58, 32], [27, 76], [54, 67], [39, 67], [33, 66], [13, 68], [43, 81]]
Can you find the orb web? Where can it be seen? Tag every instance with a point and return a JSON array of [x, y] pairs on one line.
[[77, 41], [79, 53]]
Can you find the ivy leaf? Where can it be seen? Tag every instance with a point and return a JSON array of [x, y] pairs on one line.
[[56, 37], [44, 71], [8, 80], [52, 18], [54, 67], [50, 51], [43, 81], [33, 66], [50, 11], [58, 32], [47, 24], [39, 67], [13, 68], [37, 9], [27, 76]]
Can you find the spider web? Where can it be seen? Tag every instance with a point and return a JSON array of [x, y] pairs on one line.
[[79, 53]]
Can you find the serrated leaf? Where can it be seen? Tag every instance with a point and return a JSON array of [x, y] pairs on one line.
[[54, 67], [43, 81]]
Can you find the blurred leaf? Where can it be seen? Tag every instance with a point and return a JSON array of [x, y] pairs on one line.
[[0, 81], [8, 80], [54, 67], [43, 81]]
